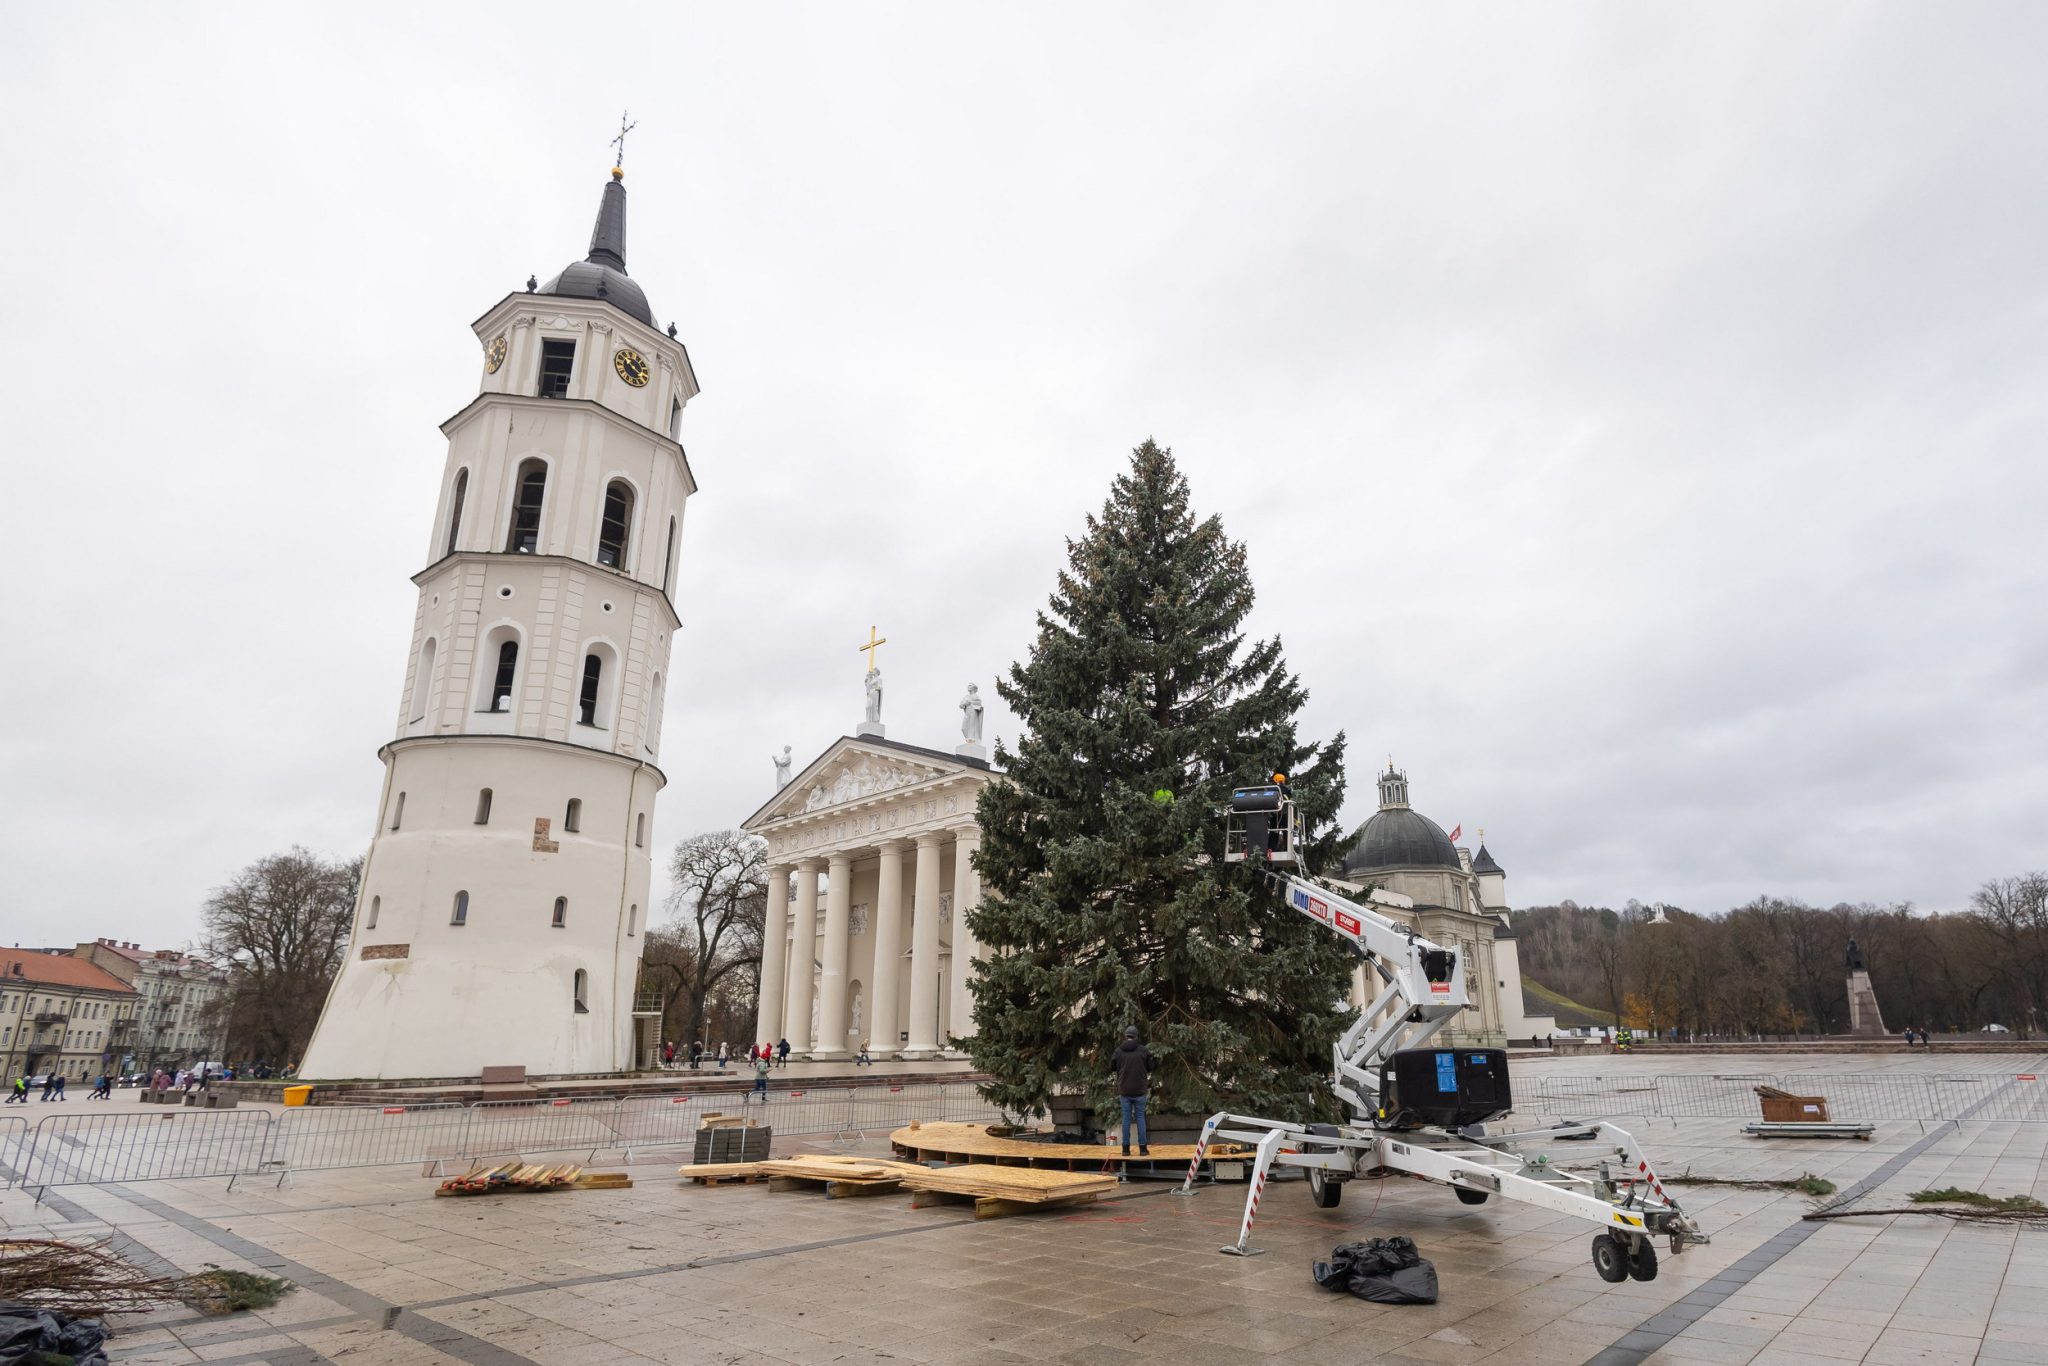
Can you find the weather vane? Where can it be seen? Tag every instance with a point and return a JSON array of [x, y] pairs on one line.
[[620, 141]]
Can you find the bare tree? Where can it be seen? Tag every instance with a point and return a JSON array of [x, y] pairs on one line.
[[2016, 911], [716, 910], [282, 924]]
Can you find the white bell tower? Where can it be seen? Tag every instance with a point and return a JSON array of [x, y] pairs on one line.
[[504, 897]]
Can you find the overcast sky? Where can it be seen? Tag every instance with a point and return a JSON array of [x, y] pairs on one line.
[[1634, 414]]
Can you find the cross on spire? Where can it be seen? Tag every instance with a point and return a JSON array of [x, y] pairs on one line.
[[619, 162], [874, 642]]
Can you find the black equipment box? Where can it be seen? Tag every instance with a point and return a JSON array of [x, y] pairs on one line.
[[1445, 1087]]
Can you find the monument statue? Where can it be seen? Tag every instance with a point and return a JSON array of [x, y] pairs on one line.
[[1864, 1017], [782, 763], [874, 685], [970, 715]]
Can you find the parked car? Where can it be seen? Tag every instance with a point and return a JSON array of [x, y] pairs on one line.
[[1996, 1029]]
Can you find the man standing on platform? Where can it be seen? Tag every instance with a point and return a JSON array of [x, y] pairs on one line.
[[1132, 1062]]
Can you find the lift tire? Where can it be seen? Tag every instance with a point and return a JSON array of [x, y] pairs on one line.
[[1642, 1260], [1610, 1258], [1323, 1193], [1470, 1197]]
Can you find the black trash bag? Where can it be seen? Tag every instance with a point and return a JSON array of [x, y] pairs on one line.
[[1385, 1271], [31, 1337]]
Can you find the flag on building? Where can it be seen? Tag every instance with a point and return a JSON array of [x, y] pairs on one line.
[[1457, 834]]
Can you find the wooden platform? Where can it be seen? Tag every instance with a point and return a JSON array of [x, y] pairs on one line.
[[993, 1188], [950, 1142]]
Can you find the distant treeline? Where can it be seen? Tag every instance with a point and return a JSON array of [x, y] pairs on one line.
[[1777, 966]]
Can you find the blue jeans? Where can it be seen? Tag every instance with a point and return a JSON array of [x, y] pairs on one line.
[[1133, 1105]]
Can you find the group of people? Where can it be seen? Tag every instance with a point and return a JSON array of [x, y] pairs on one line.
[[53, 1088], [1926, 1039]]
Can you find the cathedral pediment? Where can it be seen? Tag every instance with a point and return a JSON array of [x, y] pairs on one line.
[[859, 772]]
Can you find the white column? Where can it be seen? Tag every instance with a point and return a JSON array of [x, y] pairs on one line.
[[966, 892], [774, 957], [796, 1014], [924, 952], [884, 1009], [830, 1045]]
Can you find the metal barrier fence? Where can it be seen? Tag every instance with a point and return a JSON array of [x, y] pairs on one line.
[[13, 1147], [170, 1143], [2013, 1097], [153, 1145]]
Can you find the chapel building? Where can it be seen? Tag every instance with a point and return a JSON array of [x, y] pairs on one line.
[[505, 892], [1459, 902]]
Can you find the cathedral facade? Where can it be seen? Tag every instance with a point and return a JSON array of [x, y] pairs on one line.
[[505, 892]]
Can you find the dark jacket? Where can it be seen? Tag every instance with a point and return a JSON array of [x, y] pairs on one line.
[[1132, 1063]]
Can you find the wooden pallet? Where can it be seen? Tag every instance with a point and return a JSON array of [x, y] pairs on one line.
[[953, 1142], [725, 1178], [993, 1207], [1007, 1186]]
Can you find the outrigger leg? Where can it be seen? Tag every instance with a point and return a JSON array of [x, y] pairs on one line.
[[1187, 1186], [1268, 1146]]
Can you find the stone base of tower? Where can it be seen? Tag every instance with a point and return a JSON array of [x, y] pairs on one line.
[[461, 958], [1864, 1019]]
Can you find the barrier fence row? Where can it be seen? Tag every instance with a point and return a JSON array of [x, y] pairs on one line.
[[163, 1143], [173, 1142], [2017, 1097]]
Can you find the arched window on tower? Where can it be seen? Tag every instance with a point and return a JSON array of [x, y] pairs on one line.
[[423, 680], [640, 831], [633, 918], [370, 920], [614, 534], [455, 509], [572, 819], [507, 674], [460, 916], [659, 700], [561, 912], [483, 807], [593, 681], [530, 492], [668, 566], [582, 990], [398, 811]]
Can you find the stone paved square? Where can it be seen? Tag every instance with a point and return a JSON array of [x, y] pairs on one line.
[[672, 1272]]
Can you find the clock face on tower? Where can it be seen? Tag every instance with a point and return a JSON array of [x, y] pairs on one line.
[[494, 354], [632, 367]]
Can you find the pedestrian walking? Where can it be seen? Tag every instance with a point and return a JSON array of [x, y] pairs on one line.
[[668, 1054], [696, 1052], [1132, 1063], [782, 1053], [761, 1075], [862, 1059], [724, 1054], [104, 1090], [17, 1091], [57, 1080]]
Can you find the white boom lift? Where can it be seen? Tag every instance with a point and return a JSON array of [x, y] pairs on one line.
[[1419, 1111]]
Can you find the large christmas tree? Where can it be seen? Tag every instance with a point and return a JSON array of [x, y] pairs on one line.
[[1109, 903]]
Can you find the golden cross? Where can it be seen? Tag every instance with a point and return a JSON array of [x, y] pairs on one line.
[[620, 141], [1482, 835], [873, 642]]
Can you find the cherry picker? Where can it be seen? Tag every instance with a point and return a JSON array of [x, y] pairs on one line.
[[1428, 1112]]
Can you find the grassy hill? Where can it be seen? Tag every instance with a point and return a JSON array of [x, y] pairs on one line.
[[1570, 1014]]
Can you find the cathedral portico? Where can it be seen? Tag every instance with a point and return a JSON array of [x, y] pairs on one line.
[[890, 829]]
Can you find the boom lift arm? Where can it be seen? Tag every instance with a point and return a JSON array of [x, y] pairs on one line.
[[1401, 1123]]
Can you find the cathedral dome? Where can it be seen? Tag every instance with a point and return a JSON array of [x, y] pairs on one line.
[[602, 274], [1398, 836]]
